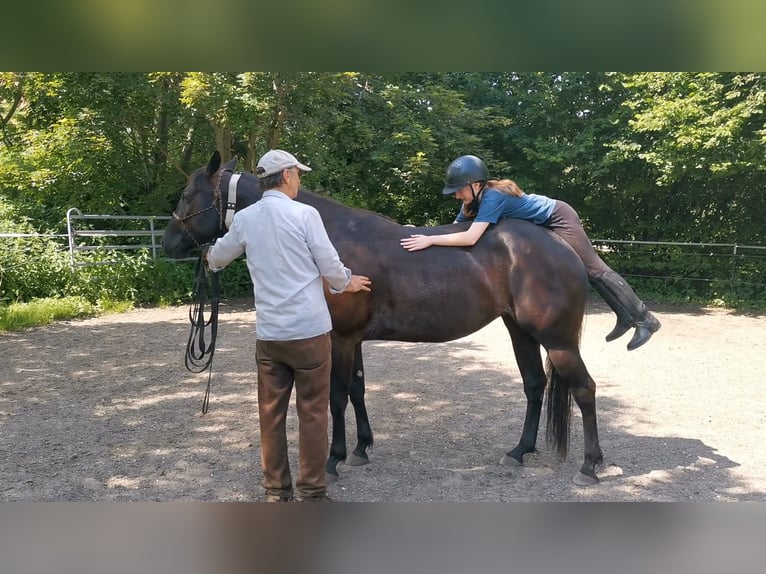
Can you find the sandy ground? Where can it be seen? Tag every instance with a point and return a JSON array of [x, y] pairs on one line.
[[103, 410]]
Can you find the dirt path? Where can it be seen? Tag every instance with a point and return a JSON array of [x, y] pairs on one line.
[[103, 409]]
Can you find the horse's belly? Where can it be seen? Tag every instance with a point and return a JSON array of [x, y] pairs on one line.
[[426, 324]]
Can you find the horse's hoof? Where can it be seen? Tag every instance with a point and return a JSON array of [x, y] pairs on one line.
[[582, 479], [510, 461], [354, 460]]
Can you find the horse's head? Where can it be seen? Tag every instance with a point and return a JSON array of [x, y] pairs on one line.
[[197, 219]]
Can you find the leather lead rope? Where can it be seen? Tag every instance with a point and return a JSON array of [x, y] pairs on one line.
[[199, 353]]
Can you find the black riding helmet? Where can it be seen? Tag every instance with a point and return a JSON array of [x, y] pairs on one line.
[[464, 170]]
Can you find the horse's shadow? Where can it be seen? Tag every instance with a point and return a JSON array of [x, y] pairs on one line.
[[447, 401], [668, 453], [674, 468]]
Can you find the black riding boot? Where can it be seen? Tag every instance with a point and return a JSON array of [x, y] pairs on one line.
[[630, 310], [624, 320]]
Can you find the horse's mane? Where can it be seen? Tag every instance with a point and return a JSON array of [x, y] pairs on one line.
[[312, 198], [315, 199]]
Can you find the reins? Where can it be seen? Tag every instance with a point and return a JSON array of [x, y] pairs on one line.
[[200, 346]]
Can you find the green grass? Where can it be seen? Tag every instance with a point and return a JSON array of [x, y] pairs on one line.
[[45, 311]]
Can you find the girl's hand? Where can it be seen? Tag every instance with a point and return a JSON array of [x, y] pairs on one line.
[[416, 242]]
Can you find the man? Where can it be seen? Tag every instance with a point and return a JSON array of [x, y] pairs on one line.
[[288, 254]]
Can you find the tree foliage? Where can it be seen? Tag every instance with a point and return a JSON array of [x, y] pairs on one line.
[[663, 156]]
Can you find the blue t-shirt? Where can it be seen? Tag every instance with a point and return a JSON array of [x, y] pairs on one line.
[[496, 205]]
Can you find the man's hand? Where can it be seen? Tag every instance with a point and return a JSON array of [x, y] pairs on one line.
[[358, 283]]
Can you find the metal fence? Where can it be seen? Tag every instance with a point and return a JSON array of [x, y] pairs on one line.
[[142, 234], [98, 233], [698, 266]]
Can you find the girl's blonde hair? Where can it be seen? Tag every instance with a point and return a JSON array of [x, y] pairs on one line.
[[503, 185], [506, 186]]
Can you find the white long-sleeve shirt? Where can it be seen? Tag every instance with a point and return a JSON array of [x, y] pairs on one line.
[[288, 252]]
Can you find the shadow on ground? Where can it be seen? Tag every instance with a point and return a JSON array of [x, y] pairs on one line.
[[103, 409]]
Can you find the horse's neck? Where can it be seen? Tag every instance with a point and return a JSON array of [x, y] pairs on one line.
[[333, 213], [249, 191], [342, 218]]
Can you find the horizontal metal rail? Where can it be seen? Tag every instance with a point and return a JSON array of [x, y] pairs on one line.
[[73, 233], [86, 241], [115, 233], [734, 246], [40, 235], [747, 269]]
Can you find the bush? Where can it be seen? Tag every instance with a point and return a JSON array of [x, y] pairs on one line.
[[39, 268], [694, 274], [32, 268], [136, 277]]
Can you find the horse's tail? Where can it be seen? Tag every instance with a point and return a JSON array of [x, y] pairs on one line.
[[559, 410]]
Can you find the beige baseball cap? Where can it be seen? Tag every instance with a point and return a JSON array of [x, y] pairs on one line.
[[276, 160]]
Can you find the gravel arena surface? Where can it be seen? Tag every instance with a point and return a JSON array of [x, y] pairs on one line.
[[103, 409]]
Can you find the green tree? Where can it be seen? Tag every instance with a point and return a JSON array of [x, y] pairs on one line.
[[702, 140], [100, 142]]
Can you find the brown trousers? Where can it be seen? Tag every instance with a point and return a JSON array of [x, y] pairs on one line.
[[565, 223], [306, 363], [615, 290]]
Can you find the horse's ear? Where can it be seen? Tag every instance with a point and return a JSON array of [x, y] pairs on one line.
[[231, 164], [213, 164]]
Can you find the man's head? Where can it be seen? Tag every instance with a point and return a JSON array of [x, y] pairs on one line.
[[276, 160], [281, 170]]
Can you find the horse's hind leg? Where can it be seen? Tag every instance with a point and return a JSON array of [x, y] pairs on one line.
[[359, 456], [527, 352], [572, 370]]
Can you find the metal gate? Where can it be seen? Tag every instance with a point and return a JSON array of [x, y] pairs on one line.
[[89, 238]]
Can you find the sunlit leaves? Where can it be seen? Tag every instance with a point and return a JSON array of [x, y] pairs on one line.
[[647, 155]]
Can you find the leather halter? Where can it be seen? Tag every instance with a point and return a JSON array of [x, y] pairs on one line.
[[224, 220]]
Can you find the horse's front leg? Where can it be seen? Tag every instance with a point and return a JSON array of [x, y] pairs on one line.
[[527, 352], [363, 430], [340, 385]]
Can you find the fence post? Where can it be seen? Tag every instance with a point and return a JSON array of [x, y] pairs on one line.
[[734, 270], [71, 233], [154, 240]]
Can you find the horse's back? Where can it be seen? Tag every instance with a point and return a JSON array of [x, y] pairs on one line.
[[442, 293], [548, 283]]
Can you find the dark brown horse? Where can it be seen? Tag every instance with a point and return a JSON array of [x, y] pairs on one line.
[[517, 271]]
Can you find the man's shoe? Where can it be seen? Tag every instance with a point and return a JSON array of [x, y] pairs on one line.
[[320, 498], [275, 498]]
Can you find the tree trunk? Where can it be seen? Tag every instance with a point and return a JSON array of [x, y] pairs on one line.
[[223, 141], [251, 161], [162, 129]]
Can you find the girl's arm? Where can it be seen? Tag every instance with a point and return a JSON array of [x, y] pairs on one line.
[[460, 239]]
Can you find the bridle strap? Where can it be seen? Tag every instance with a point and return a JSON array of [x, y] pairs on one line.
[[231, 204], [231, 199]]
